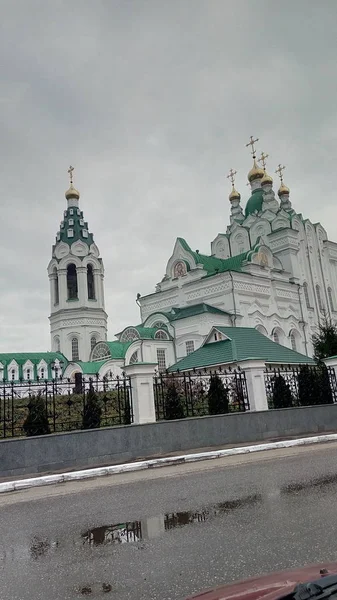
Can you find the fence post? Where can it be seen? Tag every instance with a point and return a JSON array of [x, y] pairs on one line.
[[141, 379], [254, 371]]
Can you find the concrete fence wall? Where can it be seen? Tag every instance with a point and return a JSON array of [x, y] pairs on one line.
[[80, 449]]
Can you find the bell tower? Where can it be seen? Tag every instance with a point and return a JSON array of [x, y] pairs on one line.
[[76, 274]]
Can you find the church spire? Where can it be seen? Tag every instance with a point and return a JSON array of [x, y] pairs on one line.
[[234, 198], [72, 194]]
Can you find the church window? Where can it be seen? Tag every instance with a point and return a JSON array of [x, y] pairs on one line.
[[72, 282], [101, 351], [129, 335], [319, 298], [28, 374], [293, 341], [330, 298], [161, 359], [58, 237], [57, 345], [93, 341], [82, 222], [85, 233], [62, 225], [189, 347], [159, 325], [71, 222], [42, 373], [306, 294], [65, 213], [74, 349], [90, 283], [71, 212], [70, 233], [13, 374], [276, 337], [262, 330], [78, 212], [134, 358], [56, 287], [161, 335]]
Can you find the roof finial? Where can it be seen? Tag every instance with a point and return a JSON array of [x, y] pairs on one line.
[[279, 172], [263, 160], [283, 189], [234, 195], [251, 143], [70, 171], [256, 173], [231, 176], [266, 179]]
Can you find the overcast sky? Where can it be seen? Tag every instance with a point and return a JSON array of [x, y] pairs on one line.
[[152, 101]]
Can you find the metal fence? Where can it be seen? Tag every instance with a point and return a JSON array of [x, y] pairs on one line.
[[295, 385], [192, 393], [65, 402]]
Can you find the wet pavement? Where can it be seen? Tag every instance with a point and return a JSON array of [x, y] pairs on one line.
[[171, 536]]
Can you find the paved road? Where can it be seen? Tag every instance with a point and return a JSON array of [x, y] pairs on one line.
[[170, 532]]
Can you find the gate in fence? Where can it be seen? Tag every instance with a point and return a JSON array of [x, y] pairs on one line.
[[179, 395], [65, 402]]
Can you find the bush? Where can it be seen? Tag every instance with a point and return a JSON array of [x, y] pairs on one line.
[[217, 397], [314, 385], [173, 403], [36, 422], [127, 409], [282, 396], [92, 411]]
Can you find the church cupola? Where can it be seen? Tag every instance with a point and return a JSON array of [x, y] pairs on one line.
[[283, 191], [76, 275], [256, 173], [269, 200], [234, 198]]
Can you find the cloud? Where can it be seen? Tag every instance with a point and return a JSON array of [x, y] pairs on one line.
[[153, 102]]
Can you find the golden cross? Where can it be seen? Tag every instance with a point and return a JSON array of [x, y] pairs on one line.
[[231, 176], [251, 143], [279, 172], [263, 160], [70, 171]]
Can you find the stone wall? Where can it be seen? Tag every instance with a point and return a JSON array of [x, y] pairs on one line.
[[81, 449]]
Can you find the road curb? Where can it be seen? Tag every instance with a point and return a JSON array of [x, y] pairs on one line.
[[21, 484]]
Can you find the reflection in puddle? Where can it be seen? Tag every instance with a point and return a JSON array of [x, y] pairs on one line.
[[318, 482]]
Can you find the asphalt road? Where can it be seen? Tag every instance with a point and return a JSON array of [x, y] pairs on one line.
[[171, 532]]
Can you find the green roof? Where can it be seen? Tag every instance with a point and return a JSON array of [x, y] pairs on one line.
[[244, 343], [89, 368], [118, 349], [35, 357], [192, 311], [212, 264], [73, 220], [255, 202]]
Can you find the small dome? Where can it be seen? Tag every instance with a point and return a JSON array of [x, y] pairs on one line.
[[283, 189], [72, 193], [255, 173], [234, 195], [255, 202], [266, 179]]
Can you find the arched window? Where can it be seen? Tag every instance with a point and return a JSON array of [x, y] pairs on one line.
[[13, 374], [134, 358], [159, 324], [330, 298], [276, 337], [293, 341], [72, 282], [161, 335], [57, 345], [319, 298], [28, 374], [91, 283], [93, 342], [306, 294], [42, 373], [74, 349], [101, 351], [261, 329], [129, 335], [56, 287]]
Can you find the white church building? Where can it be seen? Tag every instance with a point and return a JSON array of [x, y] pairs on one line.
[[272, 270]]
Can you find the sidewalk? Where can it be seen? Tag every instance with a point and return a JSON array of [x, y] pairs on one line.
[[12, 484]]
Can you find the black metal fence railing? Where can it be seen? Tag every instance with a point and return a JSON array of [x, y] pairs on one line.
[[65, 402], [300, 385], [179, 395]]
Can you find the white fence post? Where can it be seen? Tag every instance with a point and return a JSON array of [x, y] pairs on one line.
[[141, 379], [254, 371]]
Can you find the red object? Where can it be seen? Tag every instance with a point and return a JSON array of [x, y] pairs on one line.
[[267, 587]]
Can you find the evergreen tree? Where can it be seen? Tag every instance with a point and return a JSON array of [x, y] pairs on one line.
[[92, 411], [127, 409], [325, 341], [314, 385], [36, 422], [217, 396], [324, 384], [281, 396], [173, 403]]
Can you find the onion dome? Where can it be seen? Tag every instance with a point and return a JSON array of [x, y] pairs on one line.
[[72, 193], [283, 190], [255, 173], [234, 195], [266, 179]]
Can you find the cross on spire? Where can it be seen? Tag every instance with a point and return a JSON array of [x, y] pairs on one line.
[[231, 176], [70, 171], [263, 160], [251, 143], [279, 172]]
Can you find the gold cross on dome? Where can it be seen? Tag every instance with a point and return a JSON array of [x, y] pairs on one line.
[[231, 176], [279, 172], [251, 143], [263, 160], [70, 171]]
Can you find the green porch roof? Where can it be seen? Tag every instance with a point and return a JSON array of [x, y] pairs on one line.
[[212, 264], [192, 311], [118, 349], [244, 343], [90, 368], [35, 357]]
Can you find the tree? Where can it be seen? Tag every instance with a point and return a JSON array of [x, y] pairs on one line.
[[173, 403], [281, 396], [217, 396], [325, 341], [92, 411], [314, 385], [127, 409], [36, 422]]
